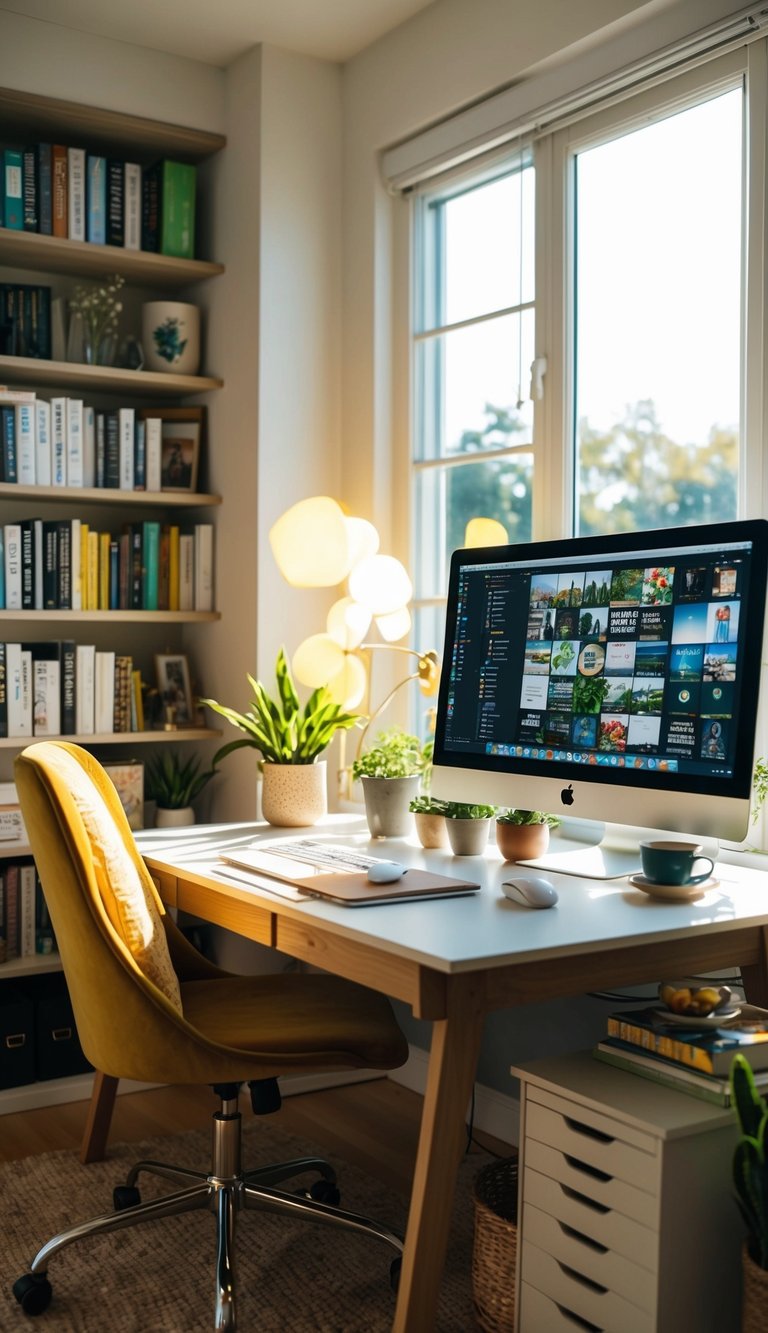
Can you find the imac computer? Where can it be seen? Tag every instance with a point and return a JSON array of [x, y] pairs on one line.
[[610, 679]]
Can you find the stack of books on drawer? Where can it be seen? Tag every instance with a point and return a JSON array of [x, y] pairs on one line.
[[696, 1060]]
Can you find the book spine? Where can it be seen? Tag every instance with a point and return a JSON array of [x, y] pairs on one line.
[[3, 693], [67, 649], [26, 911], [186, 572], [140, 457], [13, 189], [75, 558], [100, 448], [137, 702], [64, 563], [26, 693], [173, 567], [114, 574], [164, 570], [132, 211], [8, 421], [26, 443], [58, 441], [111, 450], [50, 564], [96, 199], [29, 190], [151, 205], [38, 556], [92, 571], [12, 909], [177, 220], [74, 429], [89, 446], [76, 193], [150, 569], [43, 329], [154, 453], [44, 169], [203, 597], [27, 565], [137, 567], [126, 427], [60, 175], [105, 692], [84, 688], [115, 202], [46, 717], [104, 571], [661, 1044], [43, 442], [12, 553]]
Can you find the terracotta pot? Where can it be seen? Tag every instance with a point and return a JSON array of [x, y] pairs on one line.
[[181, 818], [522, 842], [468, 837], [431, 829], [294, 795], [386, 805], [754, 1295]]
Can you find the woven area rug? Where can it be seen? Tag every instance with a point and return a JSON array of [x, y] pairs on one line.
[[159, 1276]]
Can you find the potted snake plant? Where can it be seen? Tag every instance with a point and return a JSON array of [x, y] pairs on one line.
[[290, 740], [750, 1177], [173, 784]]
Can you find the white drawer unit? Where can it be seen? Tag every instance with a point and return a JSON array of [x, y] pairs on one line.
[[627, 1221]]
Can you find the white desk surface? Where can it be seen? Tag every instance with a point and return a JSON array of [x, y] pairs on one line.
[[483, 930]]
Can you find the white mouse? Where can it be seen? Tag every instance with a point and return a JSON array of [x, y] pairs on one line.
[[530, 891], [385, 872]]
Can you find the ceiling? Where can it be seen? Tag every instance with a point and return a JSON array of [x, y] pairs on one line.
[[217, 33]]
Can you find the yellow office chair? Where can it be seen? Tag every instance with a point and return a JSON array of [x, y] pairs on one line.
[[148, 1006]]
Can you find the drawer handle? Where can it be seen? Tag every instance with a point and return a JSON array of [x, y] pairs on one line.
[[579, 1277], [584, 1240], [62, 1034], [587, 1169], [577, 1320], [579, 1128], [14, 1040], [584, 1200]]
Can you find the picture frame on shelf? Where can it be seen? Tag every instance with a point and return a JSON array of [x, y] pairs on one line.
[[181, 440], [175, 689], [128, 778]]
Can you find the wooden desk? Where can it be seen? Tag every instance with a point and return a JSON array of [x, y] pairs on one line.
[[455, 961]]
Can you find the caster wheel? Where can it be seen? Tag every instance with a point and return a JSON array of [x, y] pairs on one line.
[[325, 1191], [33, 1293], [125, 1196], [395, 1269]]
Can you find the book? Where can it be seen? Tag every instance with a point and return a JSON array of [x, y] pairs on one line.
[[12, 827], [153, 449], [12, 909], [19, 691], [12, 559], [29, 189], [8, 455], [85, 667], [13, 189], [75, 563], [203, 593], [26, 443], [186, 572], [27, 879], [112, 449], [64, 563], [44, 169], [45, 940], [150, 208], [67, 657], [38, 557], [104, 691], [3, 692], [103, 565], [123, 670], [126, 429], [139, 456], [89, 446], [74, 437], [46, 684], [681, 1078], [100, 449], [50, 564], [150, 565], [58, 441], [76, 193], [115, 230], [27, 564], [96, 199], [60, 186], [711, 1051], [132, 206], [43, 442], [177, 209]]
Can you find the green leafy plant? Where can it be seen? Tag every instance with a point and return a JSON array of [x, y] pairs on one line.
[[759, 788], [396, 754], [460, 810], [280, 729], [527, 817], [173, 782], [424, 805], [750, 1168]]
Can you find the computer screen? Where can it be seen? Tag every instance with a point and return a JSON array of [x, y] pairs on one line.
[[612, 678]]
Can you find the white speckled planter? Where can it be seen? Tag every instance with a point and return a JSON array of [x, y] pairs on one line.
[[294, 795], [180, 818]]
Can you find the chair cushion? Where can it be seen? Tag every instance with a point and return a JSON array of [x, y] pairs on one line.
[[128, 902]]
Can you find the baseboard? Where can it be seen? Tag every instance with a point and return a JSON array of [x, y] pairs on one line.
[[495, 1113], [293, 1084]]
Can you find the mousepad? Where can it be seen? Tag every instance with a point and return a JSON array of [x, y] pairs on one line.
[[354, 889]]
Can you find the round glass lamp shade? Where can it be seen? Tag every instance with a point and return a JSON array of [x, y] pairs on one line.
[[381, 584], [363, 539], [317, 660], [485, 532], [394, 626], [348, 622], [348, 687], [311, 543]]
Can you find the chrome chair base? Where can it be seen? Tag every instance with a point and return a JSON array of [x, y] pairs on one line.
[[225, 1192]]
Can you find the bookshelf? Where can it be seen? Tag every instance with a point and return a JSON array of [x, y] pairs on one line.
[[26, 119]]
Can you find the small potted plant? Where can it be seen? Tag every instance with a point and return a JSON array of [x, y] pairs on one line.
[[429, 817], [522, 835], [750, 1176], [173, 784], [290, 740], [468, 827], [390, 773]]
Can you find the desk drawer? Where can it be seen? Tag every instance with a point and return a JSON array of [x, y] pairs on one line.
[[539, 1314], [584, 1299], [602, 1224], [605, 1190], [572, 1131], [596, 1263]]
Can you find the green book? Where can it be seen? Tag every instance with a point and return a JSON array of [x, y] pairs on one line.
[[150, 560], [177, 209]]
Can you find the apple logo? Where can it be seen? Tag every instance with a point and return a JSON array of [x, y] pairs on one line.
[[566, 795]]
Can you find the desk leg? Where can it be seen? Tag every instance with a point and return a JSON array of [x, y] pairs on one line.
[[755, 976], [452, 1065], [94, 1145]]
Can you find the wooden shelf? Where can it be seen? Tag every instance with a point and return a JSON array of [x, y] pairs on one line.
[[107, 379], [26, 249], [35, 963], [110, 617], [108, 738], [107, 496]]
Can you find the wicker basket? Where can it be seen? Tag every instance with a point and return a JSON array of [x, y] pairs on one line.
[[754, 1298], [494, 1252]]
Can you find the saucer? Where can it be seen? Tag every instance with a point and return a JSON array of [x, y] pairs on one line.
[[678, 892], [716, 1020]]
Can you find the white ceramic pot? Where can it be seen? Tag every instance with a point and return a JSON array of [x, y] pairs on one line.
[[468, 837], [431, 829], [386, 805], [170, 335], [294, 795], [174, 818]]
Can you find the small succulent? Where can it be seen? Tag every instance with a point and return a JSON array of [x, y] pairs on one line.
[[174, 783], [424, 805], [397, 754], [460, 810], [526, 817]]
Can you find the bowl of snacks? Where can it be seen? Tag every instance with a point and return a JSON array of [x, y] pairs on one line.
[[693, 1002]]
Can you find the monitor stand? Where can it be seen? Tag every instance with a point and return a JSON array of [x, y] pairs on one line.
[[593, 850]]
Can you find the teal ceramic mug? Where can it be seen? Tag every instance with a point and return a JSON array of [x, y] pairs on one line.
[[673, 862]]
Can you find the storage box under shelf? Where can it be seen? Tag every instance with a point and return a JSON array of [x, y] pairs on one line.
[[627, 1220]]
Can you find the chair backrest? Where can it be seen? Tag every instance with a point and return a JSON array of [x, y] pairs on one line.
[[105, 910]]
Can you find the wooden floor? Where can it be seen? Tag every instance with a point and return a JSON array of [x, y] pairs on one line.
[[374, 1125]]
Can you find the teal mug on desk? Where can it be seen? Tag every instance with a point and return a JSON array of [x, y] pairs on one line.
[[673, 862]]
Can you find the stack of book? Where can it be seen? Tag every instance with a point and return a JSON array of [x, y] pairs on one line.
[[688, 1059], [25, 925]]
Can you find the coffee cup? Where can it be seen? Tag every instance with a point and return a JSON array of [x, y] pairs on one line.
[[673, 862]]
